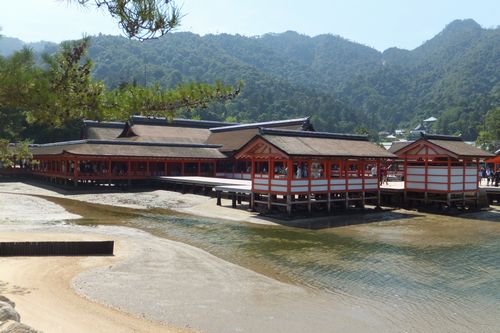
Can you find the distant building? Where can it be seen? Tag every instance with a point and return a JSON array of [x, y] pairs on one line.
[[430, 120], [425, 127], [383, 134]]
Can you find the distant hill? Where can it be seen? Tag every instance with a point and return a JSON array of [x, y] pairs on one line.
[[9, 45], [343, 85]]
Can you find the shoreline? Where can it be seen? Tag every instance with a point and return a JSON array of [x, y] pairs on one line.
[[43, 291], [199, 292], [153, 280], [192, 204]]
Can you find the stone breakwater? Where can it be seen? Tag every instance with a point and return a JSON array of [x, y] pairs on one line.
[[10, 320]]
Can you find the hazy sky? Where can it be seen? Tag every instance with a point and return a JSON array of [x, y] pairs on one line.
[[377, 23]]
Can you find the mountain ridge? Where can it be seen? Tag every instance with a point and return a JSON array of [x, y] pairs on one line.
[[343, 85]]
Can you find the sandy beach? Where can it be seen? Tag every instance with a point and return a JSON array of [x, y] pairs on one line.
[[151, 284], [154, 284], [195, 204]]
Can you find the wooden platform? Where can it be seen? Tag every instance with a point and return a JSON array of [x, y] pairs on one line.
[[399, 186], [238, 190], [202, 181]]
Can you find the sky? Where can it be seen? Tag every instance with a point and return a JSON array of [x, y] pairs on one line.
[[380, 24]]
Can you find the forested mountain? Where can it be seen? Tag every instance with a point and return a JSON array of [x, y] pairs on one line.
[[9, 45], [343, 85]]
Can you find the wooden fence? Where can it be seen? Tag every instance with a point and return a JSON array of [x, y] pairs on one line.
[[83, 248]]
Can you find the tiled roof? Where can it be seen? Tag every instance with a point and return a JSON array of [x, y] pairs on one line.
[[233, 138], [101, 130], [128, 149], [298, 143]]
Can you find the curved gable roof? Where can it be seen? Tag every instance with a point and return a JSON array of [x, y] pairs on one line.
[[234, 137], [453, 146], [320, 144]]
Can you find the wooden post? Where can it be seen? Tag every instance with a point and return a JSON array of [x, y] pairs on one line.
[[426, 175], [252, 201], [233, 199], [75, 172], [405, 175], [464, 171], [289, 205], [108, 172], [363, 189], [270, 173], [219, 198], [345, 165], [329, 200], [448, 195], [309, 182], [129, 172]]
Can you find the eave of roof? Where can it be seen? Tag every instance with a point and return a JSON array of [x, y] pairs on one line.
[[441, 137], [306, 134], [296, 121], [193, 123], [125, 143], [103, 124]]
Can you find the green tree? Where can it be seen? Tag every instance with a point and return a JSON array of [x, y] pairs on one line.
[[489, 138], [141, 19]]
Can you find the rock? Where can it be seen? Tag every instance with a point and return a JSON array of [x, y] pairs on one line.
[[5, 299], [7, 312], [11, 326]]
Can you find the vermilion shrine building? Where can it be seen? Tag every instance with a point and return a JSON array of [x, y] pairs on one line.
[[312, 168], [287, 162], [439, 168]]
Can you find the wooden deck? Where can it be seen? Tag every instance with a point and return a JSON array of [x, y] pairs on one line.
[[203, 181], [399, 186], [239, 190], [236, 189]]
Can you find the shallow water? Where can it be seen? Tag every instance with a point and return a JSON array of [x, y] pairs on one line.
[[430, 272]]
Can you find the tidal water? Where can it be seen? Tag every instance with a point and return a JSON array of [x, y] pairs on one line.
[[429, 272]]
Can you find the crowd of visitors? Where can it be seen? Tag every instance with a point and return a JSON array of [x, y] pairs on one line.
[[492, 177]]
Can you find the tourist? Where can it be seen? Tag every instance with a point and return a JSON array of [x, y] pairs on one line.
[[384, 170], [482, 174], [489, 176]]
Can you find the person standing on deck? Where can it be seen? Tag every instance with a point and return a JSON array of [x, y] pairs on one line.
[[373, 171], [489, 176]]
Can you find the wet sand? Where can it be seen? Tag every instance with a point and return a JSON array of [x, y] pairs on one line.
[[173, 283], [150, 283], [194, 204], [41, 288]]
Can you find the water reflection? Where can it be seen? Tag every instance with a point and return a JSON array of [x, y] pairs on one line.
[[426, 267]]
